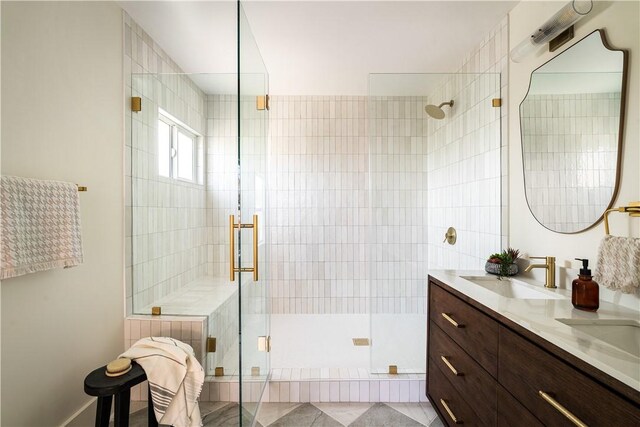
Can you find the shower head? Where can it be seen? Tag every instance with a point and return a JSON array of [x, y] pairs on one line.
[[437, 112]]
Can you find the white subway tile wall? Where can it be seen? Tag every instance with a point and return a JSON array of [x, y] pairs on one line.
[[398, 129], [318, 214], [222, 179], [570, 156], [367, 390], [165, 218]]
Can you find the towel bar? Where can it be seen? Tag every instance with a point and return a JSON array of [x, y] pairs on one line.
[[633, 210]]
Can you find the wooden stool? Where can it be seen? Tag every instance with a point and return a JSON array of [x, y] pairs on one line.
[[104, 387]]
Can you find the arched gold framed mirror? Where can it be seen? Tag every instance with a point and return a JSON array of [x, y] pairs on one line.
[[572, 122]]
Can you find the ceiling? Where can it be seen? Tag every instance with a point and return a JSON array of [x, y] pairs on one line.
[[318, 47]]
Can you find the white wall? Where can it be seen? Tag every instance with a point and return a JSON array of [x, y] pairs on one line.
[[62, 116], [620, 22]]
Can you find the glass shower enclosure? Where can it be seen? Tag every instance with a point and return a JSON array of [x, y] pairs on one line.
[[198, 175], [427, 174]]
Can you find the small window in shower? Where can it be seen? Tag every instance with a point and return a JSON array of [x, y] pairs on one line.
[[176, 149]]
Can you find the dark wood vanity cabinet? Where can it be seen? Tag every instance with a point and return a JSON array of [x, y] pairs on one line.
[[483, 371], [526, 370]]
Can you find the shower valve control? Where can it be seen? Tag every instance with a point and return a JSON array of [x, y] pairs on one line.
[[450, 236]]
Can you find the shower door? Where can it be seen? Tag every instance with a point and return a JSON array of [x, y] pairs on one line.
[[427, 174], [251, 244]]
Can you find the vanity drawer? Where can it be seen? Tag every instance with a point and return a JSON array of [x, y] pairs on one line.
[[472, 330], [440, 389], [464, 374], [512, 413], [526, 370]]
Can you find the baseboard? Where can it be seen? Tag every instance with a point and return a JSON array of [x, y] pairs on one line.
[[79, 412]]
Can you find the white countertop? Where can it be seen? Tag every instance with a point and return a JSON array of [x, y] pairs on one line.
[[539, 317]]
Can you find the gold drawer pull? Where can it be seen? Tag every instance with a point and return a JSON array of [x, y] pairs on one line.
[[564, 411], [450, 320], [446, 408], [450, 366]]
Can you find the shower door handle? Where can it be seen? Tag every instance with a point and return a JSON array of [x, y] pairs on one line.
[[232, 248]]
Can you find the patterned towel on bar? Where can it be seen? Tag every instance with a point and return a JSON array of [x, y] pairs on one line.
[[40, 226], [175, 379], [619, 263]]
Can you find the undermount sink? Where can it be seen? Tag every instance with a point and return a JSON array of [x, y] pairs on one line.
[[511, 288], [623, 334]]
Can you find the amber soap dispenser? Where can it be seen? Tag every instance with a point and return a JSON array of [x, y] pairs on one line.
[[584, 290]]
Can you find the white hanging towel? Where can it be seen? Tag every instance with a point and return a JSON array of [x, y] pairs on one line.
[[40, 226], [175, 379], [619, 263]]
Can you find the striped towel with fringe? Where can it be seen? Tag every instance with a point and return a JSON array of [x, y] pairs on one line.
[[175, 379]]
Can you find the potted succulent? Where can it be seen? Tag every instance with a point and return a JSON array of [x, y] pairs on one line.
[[504, 263]]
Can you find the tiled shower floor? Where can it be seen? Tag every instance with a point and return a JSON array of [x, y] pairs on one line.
[[225, 414]]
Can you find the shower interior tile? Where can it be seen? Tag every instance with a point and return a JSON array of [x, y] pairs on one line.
[[296, 374], [294, 391], [363, 373], [344, 391], [354, 391], [414, 391], [384, 391], [225, 392], [145, 328], [314, 391], [394, 391], [423, 391], [134, 326], [286, 374], [274, 392], [276, 374], [205, 392], [305, 388], [186, 331], [334, 391], [285, 392], [404, 391]]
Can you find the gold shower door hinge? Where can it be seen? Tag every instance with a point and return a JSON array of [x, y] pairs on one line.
[[211, 345], [264, 343], [496, 102], [361, 341], [136, 104], [262, 102]]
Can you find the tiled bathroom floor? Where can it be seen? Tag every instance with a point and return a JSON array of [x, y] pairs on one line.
[[225, 414]]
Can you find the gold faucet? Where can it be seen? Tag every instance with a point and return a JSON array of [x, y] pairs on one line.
[[549, 265]]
